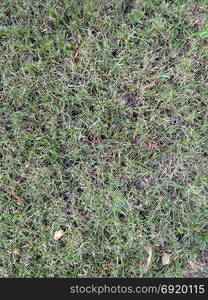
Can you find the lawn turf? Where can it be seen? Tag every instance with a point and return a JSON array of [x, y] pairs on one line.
[[103, 134]]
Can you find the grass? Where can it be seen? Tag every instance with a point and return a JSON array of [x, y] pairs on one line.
[[103, 134]]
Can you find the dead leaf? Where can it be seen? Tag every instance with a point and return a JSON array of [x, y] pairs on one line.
[[75, 56], [106, 267], [96, 138], [151, 146], [16, 252], [148, 249], [19, 200], [58, 234], [150, 85], [165, 259]]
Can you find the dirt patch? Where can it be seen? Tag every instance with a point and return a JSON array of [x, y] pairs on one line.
[[195, 269], [131, 100], [127, 6]]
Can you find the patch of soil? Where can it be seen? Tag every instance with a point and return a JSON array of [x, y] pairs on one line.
[[127, 6], [131, 100]]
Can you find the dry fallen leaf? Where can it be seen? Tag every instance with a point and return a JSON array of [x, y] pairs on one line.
[[75, 56], [165, 259], [150, 85], [18, 199], [151, 146], [96, 138], [206, 62], [106, 267], [16, 252], [58, 234], [148, 249]]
